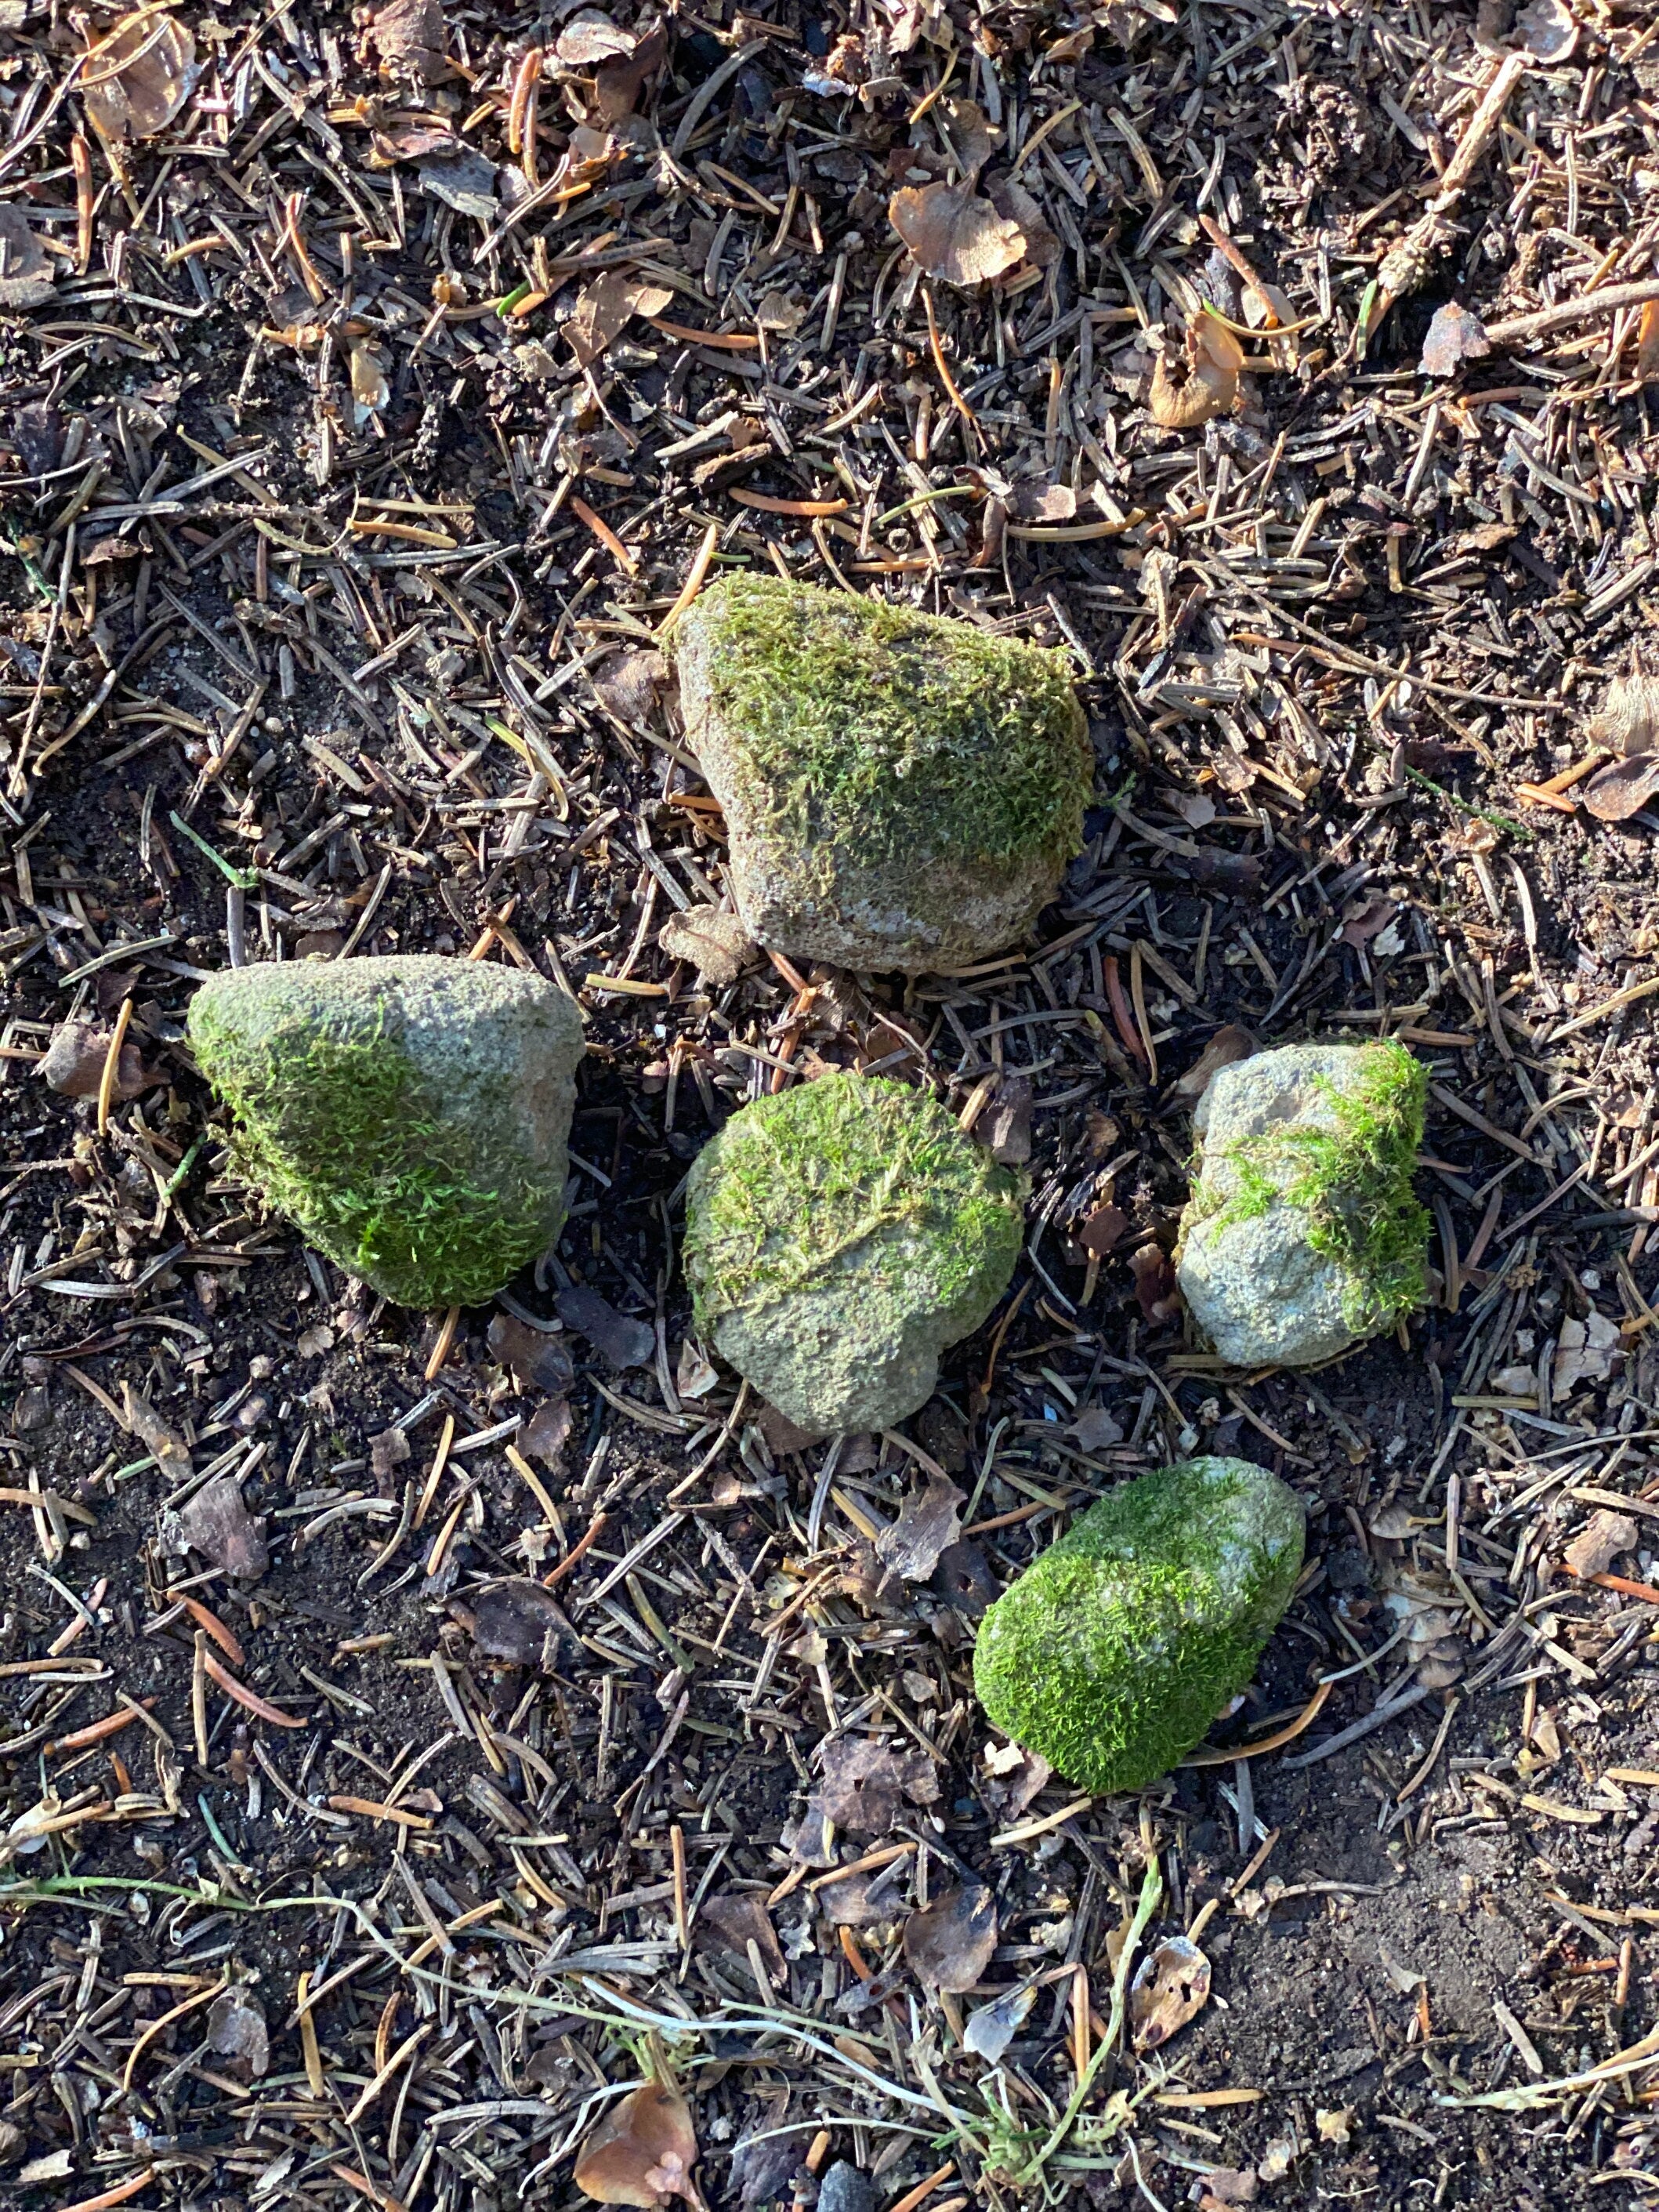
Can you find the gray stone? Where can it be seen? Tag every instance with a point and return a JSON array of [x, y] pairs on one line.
[[837, 1238], [1303, 1234], [409, 1114], [901, 792]]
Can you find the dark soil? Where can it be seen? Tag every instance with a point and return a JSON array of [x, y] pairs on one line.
[[386, 685]]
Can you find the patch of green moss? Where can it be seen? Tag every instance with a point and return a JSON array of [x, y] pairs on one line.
[[1113, 1652], [340, 1132], [798, 1188], [1354, 1182], [915, 733]]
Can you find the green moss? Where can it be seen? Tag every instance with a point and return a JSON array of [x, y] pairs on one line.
[[341, 1134], [798, 1187], [913, 733], [1113, 1653], [1353, 1181]]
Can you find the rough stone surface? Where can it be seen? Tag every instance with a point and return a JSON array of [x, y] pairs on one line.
[[1111, 1655], [902, 792], [1302, 1235], [410, 1115], [837, 1238]]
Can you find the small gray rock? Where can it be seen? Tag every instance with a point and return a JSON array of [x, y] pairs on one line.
[[901, 792], [837, 1238], [409, 1114], [1303, 1234], [847, 2189]]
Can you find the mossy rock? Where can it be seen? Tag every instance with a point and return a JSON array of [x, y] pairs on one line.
[[1303, 1234], [409, 1115], [901, 792], [1113, 1653], [837, 1238]]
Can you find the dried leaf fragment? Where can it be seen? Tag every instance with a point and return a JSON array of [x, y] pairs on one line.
[[25, 264], [236, 2029], [1546, 30], [1623, 787], [624, 1342], [1629, 719], [217, 1524], [153, 1432], [368, 385], [1455, 335], [715, 942], [1170, 1987], [738, 1918], [929, 1521], [954, 234], [521, 1623], [949, 1943], [535, 1359], [589, 38], [605, 307], [1228, 1045], [1599, 1542], [865, 1784], [409, 36], [1209, 385], [137, 80], [74, 1058], [643, 2150]]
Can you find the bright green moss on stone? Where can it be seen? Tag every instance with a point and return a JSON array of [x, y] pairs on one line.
[[1115, 1651], [838, 1235], [899, 786], [1303, 1231], [409, 1114]]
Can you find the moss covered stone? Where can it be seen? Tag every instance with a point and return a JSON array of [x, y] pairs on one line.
[[901, 791], [409, 1115], [837, 1238], [1304, 1233], [1112, 1654]]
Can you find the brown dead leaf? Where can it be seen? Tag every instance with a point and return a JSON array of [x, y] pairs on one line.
[[1209, 384], [1095, 1428], [736, 1918], [74, 1062], [1101, 1230], [1629, 719], [387, 1451], [546, 1433], [955, 235], [865, 1784], [369, 388], [536, 1359], [971, 133], [949, 1943], [1226, 2186], [521, 1623], [1228, 1045], [25, 264], [642, 2152], [237, 2030], [715, 942], [590, 38], [410, 37], [1599, 1542], [1546, 30], [606, 305], [217, 1524], [631, 682], [617, 1336], [617, 83], [929, 1520], [1015, 205], [1623, 787], [1170, 1987], [1155, 1283], [137, 80], [1044, 502], [143, 1422], [1454, 337]]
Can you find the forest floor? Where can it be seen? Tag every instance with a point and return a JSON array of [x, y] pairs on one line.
[[370, 388]]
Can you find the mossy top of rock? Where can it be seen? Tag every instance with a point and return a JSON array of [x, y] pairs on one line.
[[801, 1188], [409, 1113], [1347, 1166], [914, 734], [1112, 1655]]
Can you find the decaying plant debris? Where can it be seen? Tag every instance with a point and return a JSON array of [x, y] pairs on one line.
[[375, 390]]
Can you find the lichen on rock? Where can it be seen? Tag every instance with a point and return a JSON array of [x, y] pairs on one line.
[[1113, 1653], [901, 791], [1302, 1233], [409, 1115], [838, 1236]]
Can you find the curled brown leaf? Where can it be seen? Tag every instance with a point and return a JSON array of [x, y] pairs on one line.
[[1171, 1986], [954, 234], [137, 80], [1623, 787], [1209, 384], [642, 2152]]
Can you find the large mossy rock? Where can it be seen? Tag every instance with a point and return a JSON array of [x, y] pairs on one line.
[[901, 792], [409, 1115], [1113, 1653], [1302, 1233], [837, 1238]]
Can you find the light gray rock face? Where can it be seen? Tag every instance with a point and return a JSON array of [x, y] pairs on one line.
[[837, 1238], [1303, 1234], [901, 792], [410, 1115]]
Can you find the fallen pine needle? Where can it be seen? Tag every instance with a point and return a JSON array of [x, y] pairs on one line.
[[693, 584], [1315, 1706], [232, 1688]]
